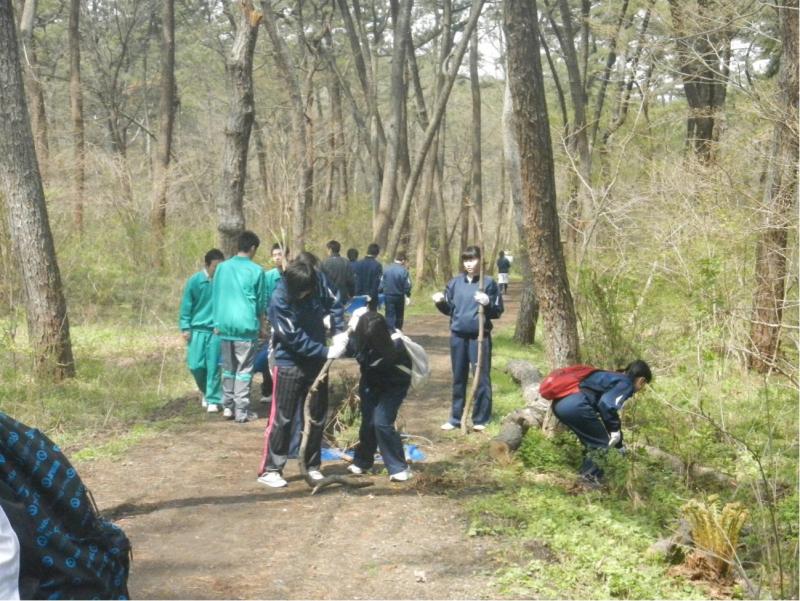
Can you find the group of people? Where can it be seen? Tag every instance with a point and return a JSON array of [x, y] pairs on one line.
[[300, 305]]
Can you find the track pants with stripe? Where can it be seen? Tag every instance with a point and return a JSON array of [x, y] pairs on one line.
[[291, 387]]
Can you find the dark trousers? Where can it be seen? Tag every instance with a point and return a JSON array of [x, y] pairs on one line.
[[291, 388], [378, 413], [578, 414], [463, 358], [395, 310]]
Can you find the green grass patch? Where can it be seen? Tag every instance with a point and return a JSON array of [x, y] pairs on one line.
[[593, 550]]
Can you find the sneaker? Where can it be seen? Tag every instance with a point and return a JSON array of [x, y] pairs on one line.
[[246, 416], [227, 413], [203, 402], [315, 474], [401, 476], [213, 408], [479, 427], [266, 400], [355, 470], [272, 479], [447, 426]]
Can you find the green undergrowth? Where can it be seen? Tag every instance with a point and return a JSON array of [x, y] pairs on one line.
[[131, 382], [561, 540]]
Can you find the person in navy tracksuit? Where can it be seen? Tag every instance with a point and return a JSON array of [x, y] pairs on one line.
[[368, 273], [385, 378], [592, 413], [299, 304], [460, 301], [396, 287]]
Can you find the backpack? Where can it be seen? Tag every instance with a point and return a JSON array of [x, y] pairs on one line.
[[564, 381], [67, 550], [420, 367]]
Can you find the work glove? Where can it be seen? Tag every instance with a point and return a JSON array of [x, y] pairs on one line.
[[326, 321], [408, 300], [353, 323], [339, 345], [614, 438], [482, 298], [437, 297]]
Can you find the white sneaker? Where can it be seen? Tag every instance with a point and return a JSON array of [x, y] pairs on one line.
[[479, 427], [355, 470], [203, 402], [447, 426], [272, 479], [315, 474], [213, 408], [227, 412], [401, 476]]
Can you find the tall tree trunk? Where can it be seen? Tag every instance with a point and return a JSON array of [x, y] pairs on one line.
[[424, 217], [538, 182], [528, 314], [780, 193], [433, 126], [300, 139], [445, 261], [383, 218], [610, 60], [476, 187], [703, 38], [263, 171], [21, 185], [230, 209], [76, 112], [166, 110], [34, 86]]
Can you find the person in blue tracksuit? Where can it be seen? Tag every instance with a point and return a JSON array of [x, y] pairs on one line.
[[396, 287], [592, 413], [301, 301], [503, 267], [368, 273], [460, 301], [385, 378]]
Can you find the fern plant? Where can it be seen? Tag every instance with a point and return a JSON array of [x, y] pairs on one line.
[[716, 533]]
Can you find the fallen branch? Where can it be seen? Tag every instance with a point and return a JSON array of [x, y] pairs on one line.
[[317, 485]]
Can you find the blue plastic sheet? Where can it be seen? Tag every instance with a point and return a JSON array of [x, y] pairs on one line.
[[412, 451]]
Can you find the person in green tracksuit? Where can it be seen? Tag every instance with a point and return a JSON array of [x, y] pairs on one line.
[[239, 299], [195, 322]]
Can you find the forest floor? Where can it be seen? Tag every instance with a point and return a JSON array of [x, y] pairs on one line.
[[202, 527]]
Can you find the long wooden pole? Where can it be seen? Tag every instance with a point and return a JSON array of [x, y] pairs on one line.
[[466, 416]]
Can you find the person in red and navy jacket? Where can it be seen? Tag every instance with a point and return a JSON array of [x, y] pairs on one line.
[[460, 301], [592, 413]]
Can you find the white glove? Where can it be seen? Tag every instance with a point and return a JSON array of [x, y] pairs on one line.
[[614, 438], [326, 321], [408, 300], [437, 297], [353, 323], [482, 298], [339, 345]]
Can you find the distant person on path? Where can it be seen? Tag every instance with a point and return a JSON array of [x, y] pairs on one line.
[[503, 267], [592, 413], [300, 302], [280, 256], [396, 287], [239, 299], [352, 258], [337, 270], [460, 301], [196, 322], [382, 389], [368, 273]]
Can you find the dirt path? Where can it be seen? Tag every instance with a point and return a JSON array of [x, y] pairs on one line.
[[201, 526]]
